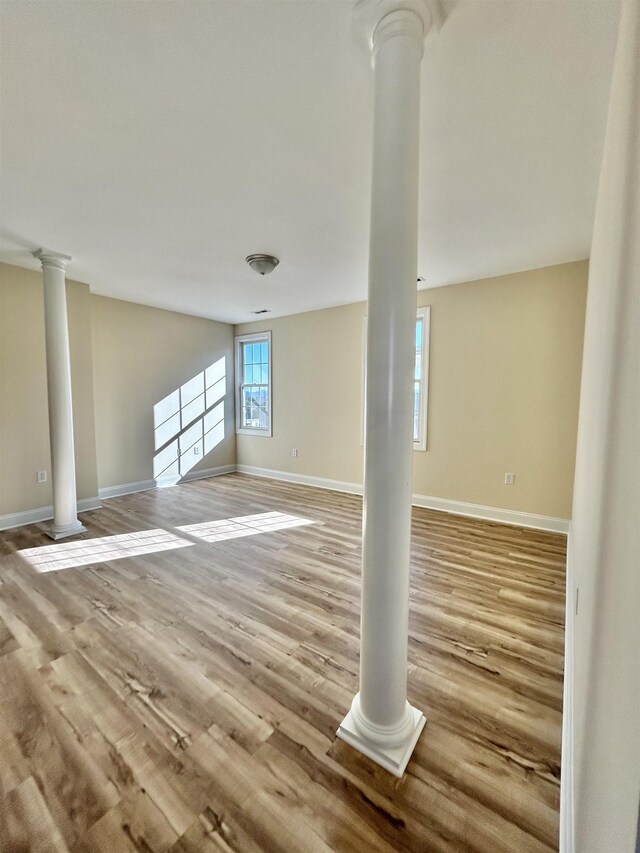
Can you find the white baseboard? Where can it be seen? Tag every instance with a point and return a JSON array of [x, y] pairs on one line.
[[207, 472], [302, 479], [126, 489], [494, 513], [42, 513], [85, 504], [487, 513], [145, 485]]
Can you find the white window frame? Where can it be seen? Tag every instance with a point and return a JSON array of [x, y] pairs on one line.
[[425, 313], [258, 337]]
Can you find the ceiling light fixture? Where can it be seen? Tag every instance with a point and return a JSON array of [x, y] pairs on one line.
[[262, 264]]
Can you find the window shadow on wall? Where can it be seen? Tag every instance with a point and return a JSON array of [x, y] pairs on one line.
[[189, 423]]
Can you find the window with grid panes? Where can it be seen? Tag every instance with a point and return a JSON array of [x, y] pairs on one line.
[[420, 377], [253, 384]]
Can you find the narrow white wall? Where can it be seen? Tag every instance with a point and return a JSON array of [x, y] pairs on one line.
[[601, 743]]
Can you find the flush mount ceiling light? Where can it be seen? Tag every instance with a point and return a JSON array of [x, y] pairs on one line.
[[262, 264]]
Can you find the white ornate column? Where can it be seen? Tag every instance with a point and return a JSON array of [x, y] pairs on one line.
[[63, 467], [381, 723]]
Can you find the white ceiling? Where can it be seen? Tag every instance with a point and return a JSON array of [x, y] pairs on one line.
[[160, 143]]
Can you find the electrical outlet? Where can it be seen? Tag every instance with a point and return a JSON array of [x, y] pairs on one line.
[[508, 479], [294, 452], [196, 450], [41, 476]]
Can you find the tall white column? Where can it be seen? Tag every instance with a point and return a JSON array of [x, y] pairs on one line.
[[381, 723], [63, 466]]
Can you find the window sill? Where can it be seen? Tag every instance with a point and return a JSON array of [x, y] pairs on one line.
[[265, 433]]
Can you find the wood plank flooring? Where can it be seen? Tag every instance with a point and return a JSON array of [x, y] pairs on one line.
[[187, 700]]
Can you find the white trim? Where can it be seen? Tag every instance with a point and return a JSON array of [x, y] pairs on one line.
[[301, 479], [425, 314], [394, 758], [566, 766], [126, 489], [43, 513], [86, 504], [146, 485], [363, 389], [239, 367], [206, 472], [494, 513], [488, 513], [164, 482]]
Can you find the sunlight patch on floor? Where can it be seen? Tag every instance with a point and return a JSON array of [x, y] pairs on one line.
[[244, 525], [84, 552]]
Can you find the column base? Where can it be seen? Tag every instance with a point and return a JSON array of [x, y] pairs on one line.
[[61, 532], [392, 758]]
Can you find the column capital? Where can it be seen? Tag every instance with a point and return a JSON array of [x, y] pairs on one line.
[[379, 20], [52, 259]]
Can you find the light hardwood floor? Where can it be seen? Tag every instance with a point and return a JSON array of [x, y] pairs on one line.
[[187, 700]]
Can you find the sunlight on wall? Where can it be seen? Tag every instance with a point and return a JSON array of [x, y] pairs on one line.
[[188, 424], [246, 525], [84, 552]]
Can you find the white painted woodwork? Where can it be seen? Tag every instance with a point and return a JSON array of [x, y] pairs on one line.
[[601, 736], [63, 466], [488, 513], [381, 723]]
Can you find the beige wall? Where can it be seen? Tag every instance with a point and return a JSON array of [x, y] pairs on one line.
[[317, 378], [125, 355], [140, 355], [24, 420], [504, 386]]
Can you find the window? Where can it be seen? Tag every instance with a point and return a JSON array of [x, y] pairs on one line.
[[421, 380], [420, 377], [253, 384]]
